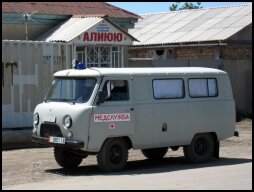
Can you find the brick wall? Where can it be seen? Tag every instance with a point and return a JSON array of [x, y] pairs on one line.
[[137, 54], [236, 52], [180, 53], [195, 53], [226, 52]]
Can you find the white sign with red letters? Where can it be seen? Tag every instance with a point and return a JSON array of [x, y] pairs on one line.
[[111, 117], [103, 33]]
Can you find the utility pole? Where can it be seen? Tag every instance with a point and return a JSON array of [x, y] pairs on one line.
[[26, 19]]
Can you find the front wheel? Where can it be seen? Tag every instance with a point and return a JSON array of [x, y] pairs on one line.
[[67, 159], [113, 155], [200, 150]]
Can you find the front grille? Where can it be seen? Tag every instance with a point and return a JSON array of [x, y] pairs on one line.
[[50, 129]]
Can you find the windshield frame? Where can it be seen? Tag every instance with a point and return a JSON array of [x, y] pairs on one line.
[[55, 82]]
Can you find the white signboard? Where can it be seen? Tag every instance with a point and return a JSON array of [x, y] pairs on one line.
[[103, 33]]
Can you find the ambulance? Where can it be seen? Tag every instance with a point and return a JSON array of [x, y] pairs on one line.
[[108, 111]]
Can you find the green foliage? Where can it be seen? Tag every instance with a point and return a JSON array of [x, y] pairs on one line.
[[187, 5]]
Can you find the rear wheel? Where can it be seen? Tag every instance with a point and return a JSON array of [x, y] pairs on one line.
[[67, 159], [155, 153], [113, 155], [200, 150]]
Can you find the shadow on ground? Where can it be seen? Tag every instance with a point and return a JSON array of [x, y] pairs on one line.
[[149, 167]]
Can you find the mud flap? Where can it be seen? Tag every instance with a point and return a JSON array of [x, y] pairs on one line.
[[236, 134]]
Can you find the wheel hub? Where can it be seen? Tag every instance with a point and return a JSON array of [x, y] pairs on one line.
[[201, 146], [115, 154]]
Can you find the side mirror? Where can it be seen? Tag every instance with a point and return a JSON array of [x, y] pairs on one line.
[[101, 97]]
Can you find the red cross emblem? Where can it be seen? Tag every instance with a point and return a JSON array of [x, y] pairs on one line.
[[112, 126]]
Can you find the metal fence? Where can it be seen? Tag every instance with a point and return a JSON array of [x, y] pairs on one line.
[[27, 69]]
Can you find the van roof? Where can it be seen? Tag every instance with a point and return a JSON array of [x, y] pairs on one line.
[[137, 71]]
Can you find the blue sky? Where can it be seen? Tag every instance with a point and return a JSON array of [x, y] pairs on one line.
[[156, 7]]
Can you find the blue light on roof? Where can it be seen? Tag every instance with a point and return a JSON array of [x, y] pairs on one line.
[[81, 65]]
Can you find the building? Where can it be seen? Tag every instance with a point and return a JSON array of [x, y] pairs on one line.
[[78, 23], [49, 14], [211, 37], [45, 37], [96, 40]]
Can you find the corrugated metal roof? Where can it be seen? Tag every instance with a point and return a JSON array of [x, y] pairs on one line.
[[72, 28], [67, 8], [196, 25], [75, 26]]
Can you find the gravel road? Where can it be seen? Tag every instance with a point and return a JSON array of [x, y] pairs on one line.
[[36, 169]]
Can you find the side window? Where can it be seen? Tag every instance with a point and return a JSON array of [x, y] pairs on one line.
[[116, 90], [168, 88], [203, 88]]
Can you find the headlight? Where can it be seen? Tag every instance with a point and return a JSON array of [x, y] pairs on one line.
[[67, 121], [36, 119]]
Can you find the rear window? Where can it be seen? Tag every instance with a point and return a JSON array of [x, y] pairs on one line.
[[203, 87]]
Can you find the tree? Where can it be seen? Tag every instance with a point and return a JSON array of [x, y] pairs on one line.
[[186, 5]]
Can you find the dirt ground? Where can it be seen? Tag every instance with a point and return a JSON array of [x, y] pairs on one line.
[[38, 164]]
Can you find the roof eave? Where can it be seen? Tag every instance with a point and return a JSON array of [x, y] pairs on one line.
[[181, 44]]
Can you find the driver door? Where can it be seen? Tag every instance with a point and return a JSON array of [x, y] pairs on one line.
[[115, 116]]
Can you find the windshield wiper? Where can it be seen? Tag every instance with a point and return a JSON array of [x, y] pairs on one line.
[[59, 100], [46, 101], [69, 101]]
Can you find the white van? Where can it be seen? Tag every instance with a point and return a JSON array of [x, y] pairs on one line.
[[107, 111]]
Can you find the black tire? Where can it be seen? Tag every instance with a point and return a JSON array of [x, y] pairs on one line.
[[67, 159], [155, 153], [113, 155], [200, 150]]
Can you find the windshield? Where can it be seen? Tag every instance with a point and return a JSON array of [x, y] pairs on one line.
[[70, 90]]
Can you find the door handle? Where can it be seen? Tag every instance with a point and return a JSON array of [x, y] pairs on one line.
[[164, 127], [132, 109]]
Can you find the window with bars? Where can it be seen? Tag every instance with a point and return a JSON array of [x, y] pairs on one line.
[[116, 57], [93, 56], [103, 56]]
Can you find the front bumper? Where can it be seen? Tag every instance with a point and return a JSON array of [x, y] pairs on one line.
[[68, 143]]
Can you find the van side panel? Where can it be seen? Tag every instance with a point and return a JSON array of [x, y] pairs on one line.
[[167, 122], [171, 122], [144, 114], [186, 117], [228, 108], [212, 114]]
